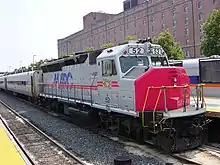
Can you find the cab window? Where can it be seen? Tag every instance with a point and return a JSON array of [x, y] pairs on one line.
[[108, 68], [159, 61]]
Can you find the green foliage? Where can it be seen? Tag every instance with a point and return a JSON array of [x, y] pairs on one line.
[[88, 49], [210, 44], [172, 49], [108, 45], [36, 66], [64, 55], [127, 38]]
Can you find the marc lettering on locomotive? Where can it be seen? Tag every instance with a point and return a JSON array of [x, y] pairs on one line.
[[63, 78]]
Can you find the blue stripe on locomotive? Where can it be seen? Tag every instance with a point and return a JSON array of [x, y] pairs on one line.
[[194, 79]]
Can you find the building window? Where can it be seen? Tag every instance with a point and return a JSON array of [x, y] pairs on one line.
[[152, 29], [199, 4], [163, 26], [149, 1], [186, 31], [152, 19], [187, 53], [186, 21], [200, 28], [187, 42], [186, 9], [174, 12], [174, 33], [200, 16], [162, 16], [174, 23]]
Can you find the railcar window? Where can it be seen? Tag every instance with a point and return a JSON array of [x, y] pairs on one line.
[[18, 82], [209, 71], [130, 61], [108, 68], [159, 61]]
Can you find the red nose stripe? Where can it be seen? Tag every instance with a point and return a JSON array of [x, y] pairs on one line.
[[99, 84], [114, 84]]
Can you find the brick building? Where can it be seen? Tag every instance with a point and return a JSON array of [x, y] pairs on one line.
[[143, 18]]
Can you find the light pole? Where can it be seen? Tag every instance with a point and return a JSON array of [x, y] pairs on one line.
[[148, 26], [193, 24], [33, 63], [21, 66], [9, 69]]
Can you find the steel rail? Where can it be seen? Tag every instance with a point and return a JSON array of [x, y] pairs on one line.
[[41, 133]]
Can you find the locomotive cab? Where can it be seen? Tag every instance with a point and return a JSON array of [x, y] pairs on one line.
[[137, 80]]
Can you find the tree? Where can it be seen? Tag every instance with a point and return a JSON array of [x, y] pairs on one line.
[[108, 45], [88, 49], [210, 44], [172, 49], [127, 38]]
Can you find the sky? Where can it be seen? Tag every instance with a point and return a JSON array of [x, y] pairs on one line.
[[32, 27]]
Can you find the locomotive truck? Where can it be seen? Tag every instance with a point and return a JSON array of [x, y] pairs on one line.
[[129, 88]]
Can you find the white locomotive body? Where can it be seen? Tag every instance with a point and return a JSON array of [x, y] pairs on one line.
[[130, 88]]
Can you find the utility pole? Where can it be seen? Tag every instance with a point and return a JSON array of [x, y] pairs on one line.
[[21, 66], [33, 63], [193, 24], [9, 69], [124, 24], [106, 39], [148, 25]]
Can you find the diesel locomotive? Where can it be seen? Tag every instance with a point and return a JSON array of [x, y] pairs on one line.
[[129, 88]]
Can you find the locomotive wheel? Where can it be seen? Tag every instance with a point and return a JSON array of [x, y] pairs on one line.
[[60, 108], [54, 106], [140, 135], [165, 141]]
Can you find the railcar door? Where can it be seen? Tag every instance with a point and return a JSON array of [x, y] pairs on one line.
[[108, 84]]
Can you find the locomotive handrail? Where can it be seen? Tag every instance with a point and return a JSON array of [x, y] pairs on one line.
[[199, 93], [170, 87], [156, 107]]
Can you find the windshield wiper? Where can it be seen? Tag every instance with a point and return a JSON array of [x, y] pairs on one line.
[[138, 58]]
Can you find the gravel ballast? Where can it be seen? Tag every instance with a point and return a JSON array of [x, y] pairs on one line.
[[94, 148]]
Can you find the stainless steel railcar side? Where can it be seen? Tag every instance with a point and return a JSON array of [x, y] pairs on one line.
[[26, 83]]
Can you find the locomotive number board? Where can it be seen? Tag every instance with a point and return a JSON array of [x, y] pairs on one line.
[[136, 51]]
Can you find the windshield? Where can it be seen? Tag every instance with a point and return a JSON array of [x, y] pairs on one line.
[[128, 62], [159, 61]]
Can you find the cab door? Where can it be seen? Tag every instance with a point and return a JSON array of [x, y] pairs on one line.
[[108, 84]]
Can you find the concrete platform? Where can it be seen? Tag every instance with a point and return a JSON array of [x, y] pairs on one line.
[[213, 106], [10, 153]]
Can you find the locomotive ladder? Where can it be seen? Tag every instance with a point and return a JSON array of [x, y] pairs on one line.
[[199, 95]]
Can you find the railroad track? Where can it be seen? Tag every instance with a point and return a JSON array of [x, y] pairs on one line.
[[35, 144], [188, 157]]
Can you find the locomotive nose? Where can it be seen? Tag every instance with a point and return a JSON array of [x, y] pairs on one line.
[[162, 86]]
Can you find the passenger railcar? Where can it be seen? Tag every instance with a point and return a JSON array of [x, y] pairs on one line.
[[26, 83], [130, 88], [2, 82], [203, 71]]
